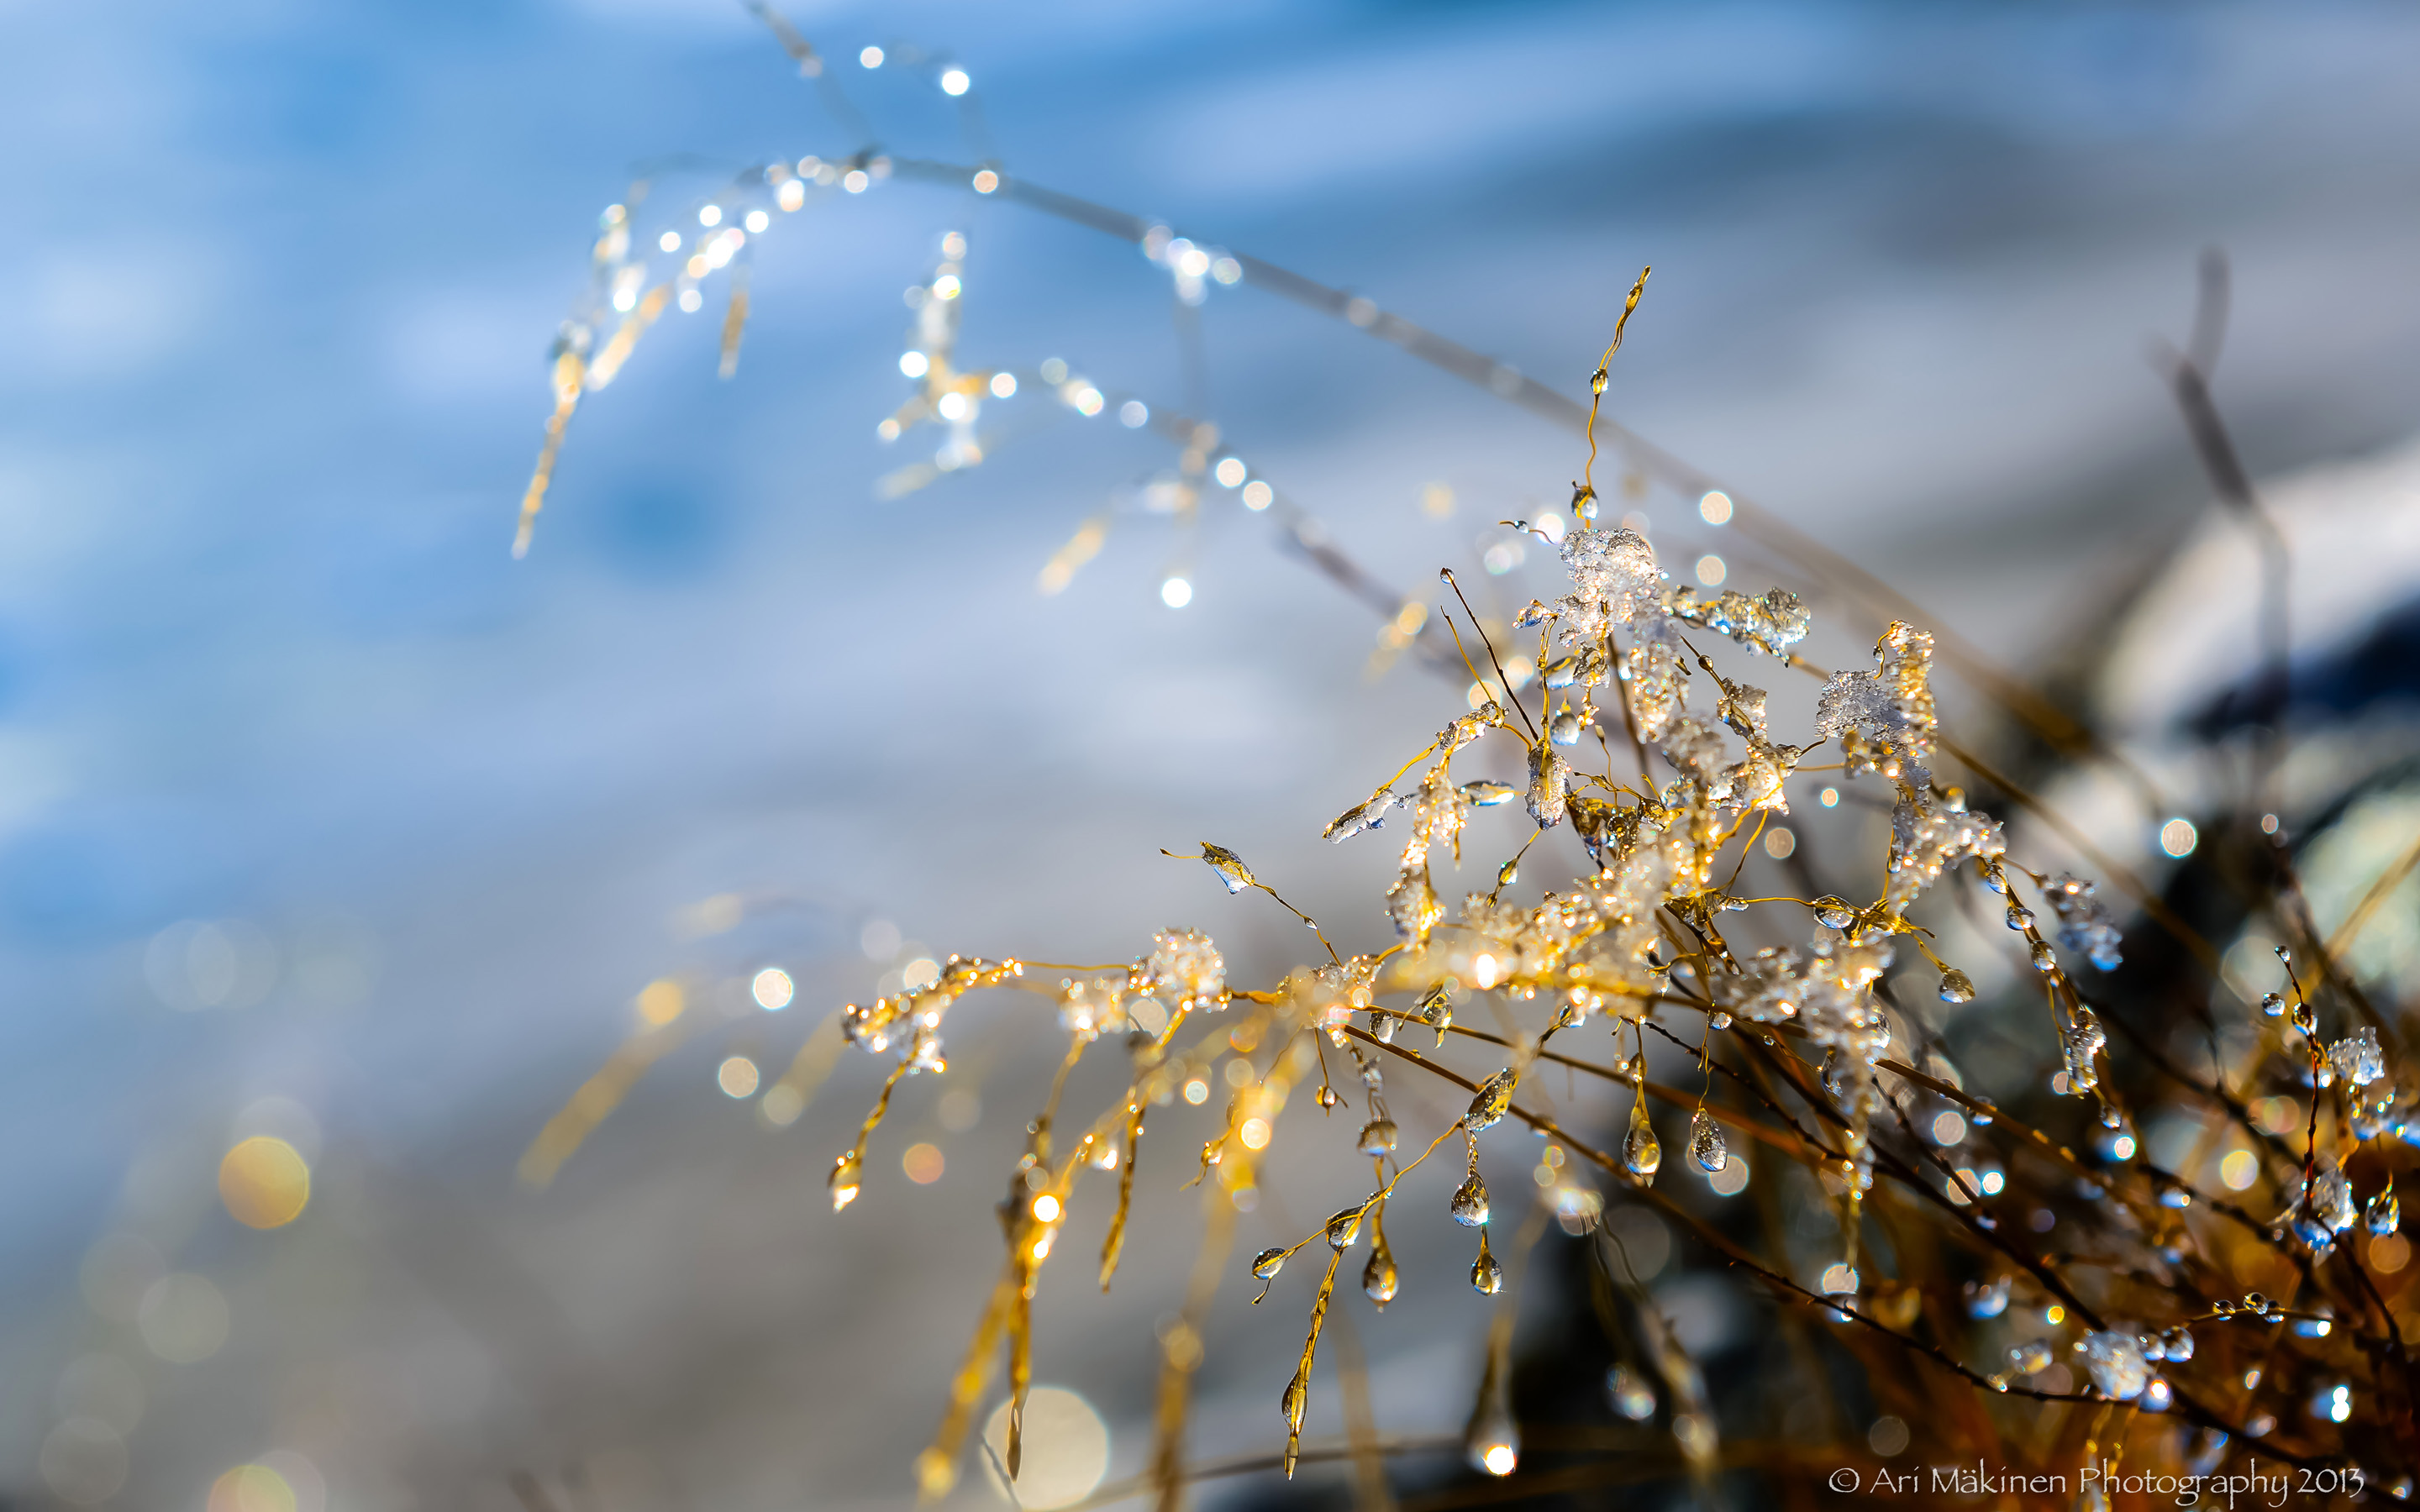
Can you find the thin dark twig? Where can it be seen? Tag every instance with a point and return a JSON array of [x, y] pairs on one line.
[[1506, 682], [2211, 311]]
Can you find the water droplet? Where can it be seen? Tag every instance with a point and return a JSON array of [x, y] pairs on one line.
[[1437, 1008], [1633, 1397], [2044, 961], [1956, 987], [2273, 1006], [2178, 1343], [1378, 1278], [1327, 1097], [1988, 1299], [1266, 1263], [1486, 1276], [844, 1181], [1230, 866], [1469, 1206], [1345, 1228], [1565, 731], [1494, 1096], [1834, 912], [1493, 1443], [1706, 1145], [2384, 1213], [1378, 1137], [1640, 1153], [1718, 1020]]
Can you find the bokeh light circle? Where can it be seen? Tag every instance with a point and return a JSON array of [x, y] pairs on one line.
[[252, 1489], [264, 1182], [1066, 1450]]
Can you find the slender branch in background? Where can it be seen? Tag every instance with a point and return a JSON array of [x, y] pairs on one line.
[[2188, 374], [2062, 731]]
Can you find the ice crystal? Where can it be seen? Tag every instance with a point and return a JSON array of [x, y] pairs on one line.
[[1827, 988], [1659, 684], [1465, 729], [2114, 1359], [1359, 817], [2080, 1042], [913, 1020], [1771, 623], [1927, 837], [1550, 779], [1231, 871], [1615, 573], [2357, 1058], [1412, 903], [2331, 1199], [1891, 707], [1186, 970], [1092, 1008], [2084, 925]]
